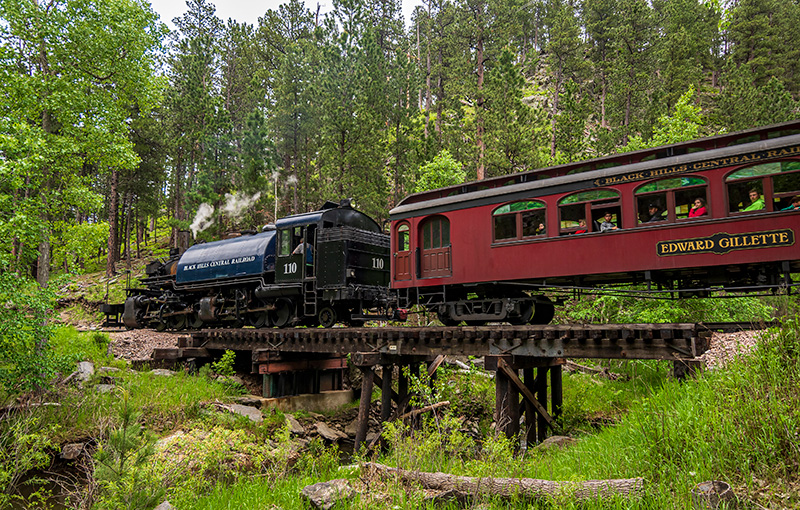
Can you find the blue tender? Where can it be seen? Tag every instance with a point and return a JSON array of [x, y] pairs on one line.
[[248, 255]]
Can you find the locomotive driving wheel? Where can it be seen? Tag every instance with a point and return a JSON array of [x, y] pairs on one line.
[[177, 322], [327, 317], [282, 314], [258, 319]]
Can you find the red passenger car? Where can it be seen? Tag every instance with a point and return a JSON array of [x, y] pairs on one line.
[[691, 217]]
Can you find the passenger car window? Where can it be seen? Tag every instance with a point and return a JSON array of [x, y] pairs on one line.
[[671, 199], [436, 233], [403, 241], [519, 220], [589, 206], [776, 183]]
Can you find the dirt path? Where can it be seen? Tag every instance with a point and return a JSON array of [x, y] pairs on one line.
[[138, 344]]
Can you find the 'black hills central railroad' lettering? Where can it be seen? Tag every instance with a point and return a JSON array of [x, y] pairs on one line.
[[723, 243], [698, 166]]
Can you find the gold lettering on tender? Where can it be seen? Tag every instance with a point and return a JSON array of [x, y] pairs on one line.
[[784, 237], [725, 243]]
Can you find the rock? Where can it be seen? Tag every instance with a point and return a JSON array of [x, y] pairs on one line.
[[231, 379], [85, 370], [294, 426], [351, 428], [165, 443], [326, 494], [316, 416], [104, 388], [106, 370], [329, 433], [164, 506], [372, 436], [249, 400], [71, 451], [713, 494], [163, 372], [555, 442], [248, 411]]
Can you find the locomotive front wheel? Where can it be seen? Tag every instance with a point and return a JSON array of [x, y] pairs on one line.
[[282, 313], [327, 317], [160, 326]]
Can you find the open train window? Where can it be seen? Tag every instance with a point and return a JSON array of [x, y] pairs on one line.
[[519, 220], [403, 241], [285, 245], [765, 187], [671, 199], [583, 212]]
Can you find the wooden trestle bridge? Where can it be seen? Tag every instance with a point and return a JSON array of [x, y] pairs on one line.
[[527, 360]]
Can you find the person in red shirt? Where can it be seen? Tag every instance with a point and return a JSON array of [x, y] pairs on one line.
[[698, 208], [581, 227]]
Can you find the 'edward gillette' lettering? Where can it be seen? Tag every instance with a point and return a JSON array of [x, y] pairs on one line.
[[723, 243], [699, 165]]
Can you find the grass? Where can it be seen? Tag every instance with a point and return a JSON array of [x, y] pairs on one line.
[[740, 424]]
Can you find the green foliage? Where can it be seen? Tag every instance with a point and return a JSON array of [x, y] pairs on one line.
[[79, 243], [441, 172], [743, 104], [25, 445], [620, 309], [26, 359], [683, 125], [225, 365], [122, 463]]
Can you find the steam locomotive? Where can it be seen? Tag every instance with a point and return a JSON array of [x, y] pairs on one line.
[[317, 268]]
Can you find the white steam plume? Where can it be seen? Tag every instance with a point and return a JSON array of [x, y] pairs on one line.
[[236, 204], [202, 220]]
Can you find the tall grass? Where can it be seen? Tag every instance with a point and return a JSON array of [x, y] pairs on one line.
[[738, 424]]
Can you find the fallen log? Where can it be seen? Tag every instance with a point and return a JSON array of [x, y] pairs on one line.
[[508, 488]]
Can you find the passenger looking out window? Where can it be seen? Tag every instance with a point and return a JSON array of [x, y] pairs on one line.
[[775, 184], [794, 206], [698, 208], [607, 224], [756, 201], [655, 212], [519, 220], [671, 196], [577, 210]]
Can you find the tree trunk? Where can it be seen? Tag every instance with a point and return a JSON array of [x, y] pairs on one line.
[[481, 171], [428, 75], [43, 262], [512, 488], [554, 114], [139, 235], [112, 224], [128, 227]]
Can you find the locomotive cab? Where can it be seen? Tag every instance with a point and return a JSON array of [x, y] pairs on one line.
[[338, 260]]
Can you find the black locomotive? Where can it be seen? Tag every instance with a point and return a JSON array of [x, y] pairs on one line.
[[321, 267]]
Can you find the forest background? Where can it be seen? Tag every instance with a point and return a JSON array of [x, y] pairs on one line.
[[111, 124]]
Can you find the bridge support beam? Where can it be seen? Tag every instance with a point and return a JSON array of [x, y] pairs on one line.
[[532, 389]]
